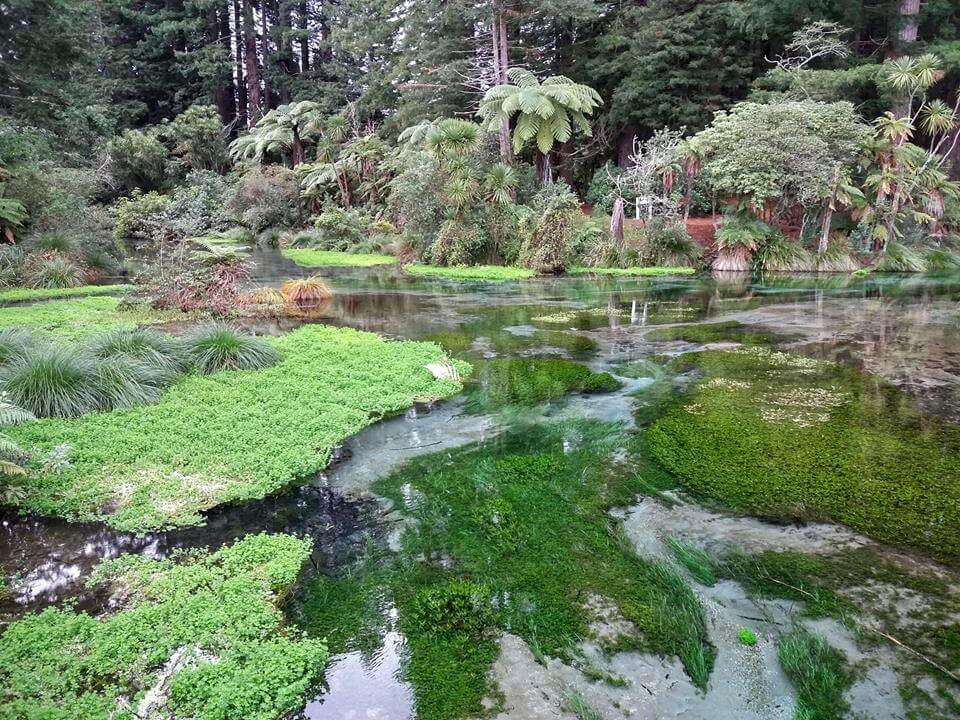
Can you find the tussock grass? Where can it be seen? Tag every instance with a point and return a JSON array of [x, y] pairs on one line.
[[306, 290], [216, 348]]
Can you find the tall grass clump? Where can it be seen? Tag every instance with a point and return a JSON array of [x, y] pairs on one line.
[[52, 242], [942, 261], [776, 253], [163, 355], [695, 560], [838, 257], [54, 271], [15, 343], [819, 672], [306, 290], [900, 258], [220, 347], [52, 381]]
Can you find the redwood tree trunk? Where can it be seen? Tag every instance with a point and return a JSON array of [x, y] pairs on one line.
[[625, 146], [218, 31], [498, 26], [265, 54], [909, 10], [304, 21], [254, 103], [284, 48], [242, 112], [296, 150]]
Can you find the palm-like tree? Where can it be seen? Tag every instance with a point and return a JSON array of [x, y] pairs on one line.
[[546, 112], [284, 129]]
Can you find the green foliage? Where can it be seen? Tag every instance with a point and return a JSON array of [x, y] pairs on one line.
[[149, 467], [138, 160], [473, 511], [215, 348], [747, 637], [267, 196], [140, 216], [52, 272], [819, 672], [82, 316], [517, 381], [493, 273], [457, 244], [600, 191], [339, 229], [217, 613], [308, 257], [783, 152], [780, 435], [702, 333], [547, 244], [547, 111], [938, 261], [901, 258], [694, 559], [777, 253], [198, 138]]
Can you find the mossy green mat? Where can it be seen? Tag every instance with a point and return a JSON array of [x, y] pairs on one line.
[[229, 436]]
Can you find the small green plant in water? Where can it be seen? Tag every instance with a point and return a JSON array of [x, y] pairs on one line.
[[747, 637], [819, 672], [695, 560], [527, 382]]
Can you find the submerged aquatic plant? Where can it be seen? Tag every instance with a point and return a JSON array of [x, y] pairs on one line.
[[695, 560], [819, 672], [220, 347]]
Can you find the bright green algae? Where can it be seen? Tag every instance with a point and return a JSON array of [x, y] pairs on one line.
[[783, 436], [512, 534], [222, 608], [229, 436], [493, 273]]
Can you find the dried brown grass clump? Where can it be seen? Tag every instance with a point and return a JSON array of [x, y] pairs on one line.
[[305, 290]]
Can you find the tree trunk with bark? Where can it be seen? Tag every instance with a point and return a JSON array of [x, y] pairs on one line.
[[265, 55], [828, 212], [218, 32], [254, 103], [285, 48], [243, 115], [909, 12], [498, 27], [303, 19]]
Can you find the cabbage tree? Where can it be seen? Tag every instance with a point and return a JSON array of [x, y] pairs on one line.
[[546, 112]]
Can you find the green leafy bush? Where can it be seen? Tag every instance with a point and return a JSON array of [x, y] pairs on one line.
[[218, 614], [267, 196], [220, 347], [198, 138], [548, 241], [141, 216], [138, 160], [901, 258], [457, 243], [339, 229]]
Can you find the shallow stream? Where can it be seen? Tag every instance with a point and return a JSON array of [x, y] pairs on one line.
[[903, 330]]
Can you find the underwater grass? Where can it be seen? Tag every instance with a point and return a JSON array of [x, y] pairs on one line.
[[703, 333], [25, 294], [694, 559], [81, 317], [308, 257], [819, 673], [221, 608], [527, 382], [783, 436], [651, 271], [512, 534], [229, 436], [470, 272]]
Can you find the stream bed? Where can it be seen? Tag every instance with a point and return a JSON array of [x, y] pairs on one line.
[[902, 331]]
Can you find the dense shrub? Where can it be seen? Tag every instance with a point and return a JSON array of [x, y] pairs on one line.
[[197, 207], [738, 238], [556, 212], [667, 243], [600, 192], [138, 160], [414, 199], [267, 196], [141, 216], [457, 243], [339, 229], [198, 138]]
